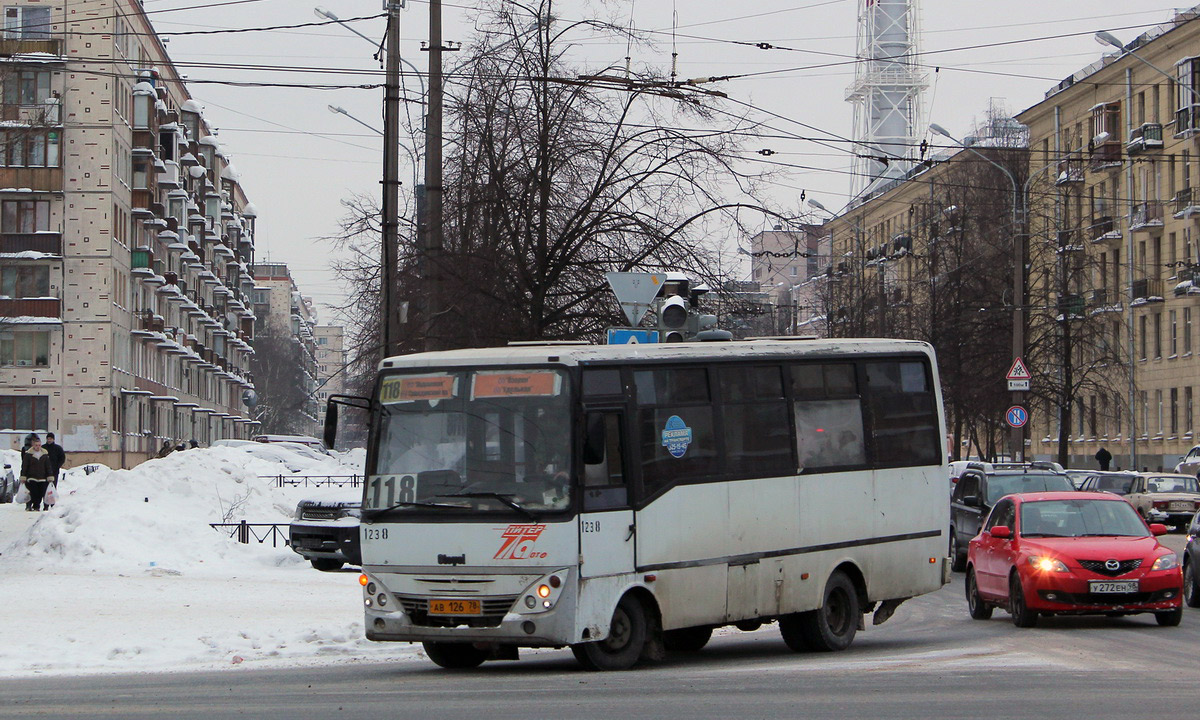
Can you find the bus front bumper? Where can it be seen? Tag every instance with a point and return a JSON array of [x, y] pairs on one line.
[[553, 628]]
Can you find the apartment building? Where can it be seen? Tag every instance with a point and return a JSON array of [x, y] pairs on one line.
[[1121, 143], [331, 362], [286, 322], [782, 262], [125, 241]]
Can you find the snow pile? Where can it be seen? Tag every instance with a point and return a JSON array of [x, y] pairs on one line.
[[156, 515]]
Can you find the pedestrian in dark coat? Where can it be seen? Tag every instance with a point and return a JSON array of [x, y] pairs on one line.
[[1103, 457], [36, 473], [58, 456], [166, 449]]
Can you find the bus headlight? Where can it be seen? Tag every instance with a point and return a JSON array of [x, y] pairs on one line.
[[543, 594]]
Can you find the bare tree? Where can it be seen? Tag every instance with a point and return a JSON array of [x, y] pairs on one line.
[[278, 367]]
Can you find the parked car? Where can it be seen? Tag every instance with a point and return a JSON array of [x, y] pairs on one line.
[[1191, 571], [324, 529], [1078, 477], [1117, 483], [308, 440], [1168, 499], [1071, 553], [230, 442], [1190, 464], [303, 451], [978, 490], [8, 484]]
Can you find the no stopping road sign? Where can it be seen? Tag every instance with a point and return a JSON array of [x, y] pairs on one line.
[[1016, 416]]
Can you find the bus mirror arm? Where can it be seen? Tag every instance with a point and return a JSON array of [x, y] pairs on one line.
[[630, 535]]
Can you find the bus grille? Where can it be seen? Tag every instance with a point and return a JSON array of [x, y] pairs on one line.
[[494, 609], [320, 513]]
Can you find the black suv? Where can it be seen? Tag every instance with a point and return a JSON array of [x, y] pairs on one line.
[[978, 489], [325, 529]]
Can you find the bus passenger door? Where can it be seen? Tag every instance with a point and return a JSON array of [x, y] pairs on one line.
[[606, 525]]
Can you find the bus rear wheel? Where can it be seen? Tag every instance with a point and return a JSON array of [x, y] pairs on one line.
[[833, 625], [687, 639], [627, 635], [455, 656]]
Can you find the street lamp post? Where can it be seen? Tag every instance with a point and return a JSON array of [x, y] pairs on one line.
[[1017, 436]]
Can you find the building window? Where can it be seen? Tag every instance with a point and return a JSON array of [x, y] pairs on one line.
[[25, 216], [25, 281], [1187, 331], [1158, 335], [29, 148], [25, 349], [1187, 409], [1174, 334], [1174, 412], [27, 87], [23, 22], [24, 413], [1142, 335]]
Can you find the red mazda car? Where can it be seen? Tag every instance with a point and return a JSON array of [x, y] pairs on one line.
[[1051, 553]]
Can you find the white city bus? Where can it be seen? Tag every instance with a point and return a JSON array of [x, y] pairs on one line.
[[624, 500]]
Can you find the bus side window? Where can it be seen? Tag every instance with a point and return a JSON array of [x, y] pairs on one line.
[[603, 474]]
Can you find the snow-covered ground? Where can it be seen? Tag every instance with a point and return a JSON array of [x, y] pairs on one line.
[[125, 574]]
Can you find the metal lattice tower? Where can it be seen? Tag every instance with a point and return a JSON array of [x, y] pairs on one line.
[[887, 91]]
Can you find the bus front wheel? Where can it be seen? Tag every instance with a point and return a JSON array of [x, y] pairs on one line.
[[627, 635], [455, 656]]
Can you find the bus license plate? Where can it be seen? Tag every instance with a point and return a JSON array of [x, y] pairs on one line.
[[455, 607], [1118, 586]]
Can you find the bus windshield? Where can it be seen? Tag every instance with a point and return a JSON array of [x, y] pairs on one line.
[[477, 440]]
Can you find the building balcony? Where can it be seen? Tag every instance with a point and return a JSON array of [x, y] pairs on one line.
[[1106, 155], [1146, 137], [1186, 282], [43, 243], [1146, 216], [1146, 290], [33, 178], [1100, 297], [1187, 121], [1104, 229], [1186, 204], [1070, 170], [25, 46], [1066, 242], [35, 115], [30, 308]]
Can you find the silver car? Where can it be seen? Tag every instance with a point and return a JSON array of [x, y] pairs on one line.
[[8, 484], [1190, 464]]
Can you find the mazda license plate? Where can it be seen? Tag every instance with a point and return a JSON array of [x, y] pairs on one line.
[[1113, 586], [455, 607]]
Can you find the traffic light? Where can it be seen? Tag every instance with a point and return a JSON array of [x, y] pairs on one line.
[[673, 317]]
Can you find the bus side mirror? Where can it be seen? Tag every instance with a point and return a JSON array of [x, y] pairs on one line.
[[331, 418]]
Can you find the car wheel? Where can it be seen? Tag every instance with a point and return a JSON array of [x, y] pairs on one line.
[[979, 609], [687, 639], [455, 656], [833, 625], [326, 564], [1022, 616], [627, 636], [958, 558], [1191, 584], [1170, 618]]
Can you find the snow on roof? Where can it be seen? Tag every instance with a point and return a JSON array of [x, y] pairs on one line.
[[30, 255], [191, 106], [250, 211], [210, 140]]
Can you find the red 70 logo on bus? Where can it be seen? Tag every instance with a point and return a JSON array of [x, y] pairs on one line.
[[517, 542]]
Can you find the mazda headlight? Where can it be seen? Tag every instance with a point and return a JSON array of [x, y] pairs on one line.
[[1170, 561], [1048, 564]]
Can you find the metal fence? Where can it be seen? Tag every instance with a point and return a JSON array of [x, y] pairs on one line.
[[244, 532], [353, 481]]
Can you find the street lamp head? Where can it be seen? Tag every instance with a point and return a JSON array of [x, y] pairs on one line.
[[336, 110], [323, 13], [816, 205], [939, 130], [1106, 38]]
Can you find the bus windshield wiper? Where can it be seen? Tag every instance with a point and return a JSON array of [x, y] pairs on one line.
[[506, 499], [379, 511]]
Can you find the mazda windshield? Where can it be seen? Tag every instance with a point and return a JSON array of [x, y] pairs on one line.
[[475, 441]]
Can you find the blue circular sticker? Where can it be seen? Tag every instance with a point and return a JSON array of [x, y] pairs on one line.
[[676, 436]]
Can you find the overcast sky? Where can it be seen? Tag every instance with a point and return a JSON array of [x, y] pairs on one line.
[[298, 160]]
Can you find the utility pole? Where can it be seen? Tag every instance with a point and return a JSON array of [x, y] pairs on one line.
[[431, 231], [388, 306]]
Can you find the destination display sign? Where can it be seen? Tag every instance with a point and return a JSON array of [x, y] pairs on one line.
[[545, 383], [412, 388]]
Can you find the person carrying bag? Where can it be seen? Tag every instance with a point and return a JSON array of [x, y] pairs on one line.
[[37, 470]]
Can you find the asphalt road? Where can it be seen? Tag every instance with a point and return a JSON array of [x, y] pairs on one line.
[[930, 660]]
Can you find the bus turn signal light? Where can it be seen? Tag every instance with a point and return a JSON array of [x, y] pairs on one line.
[[544, 591], [363, 580]]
